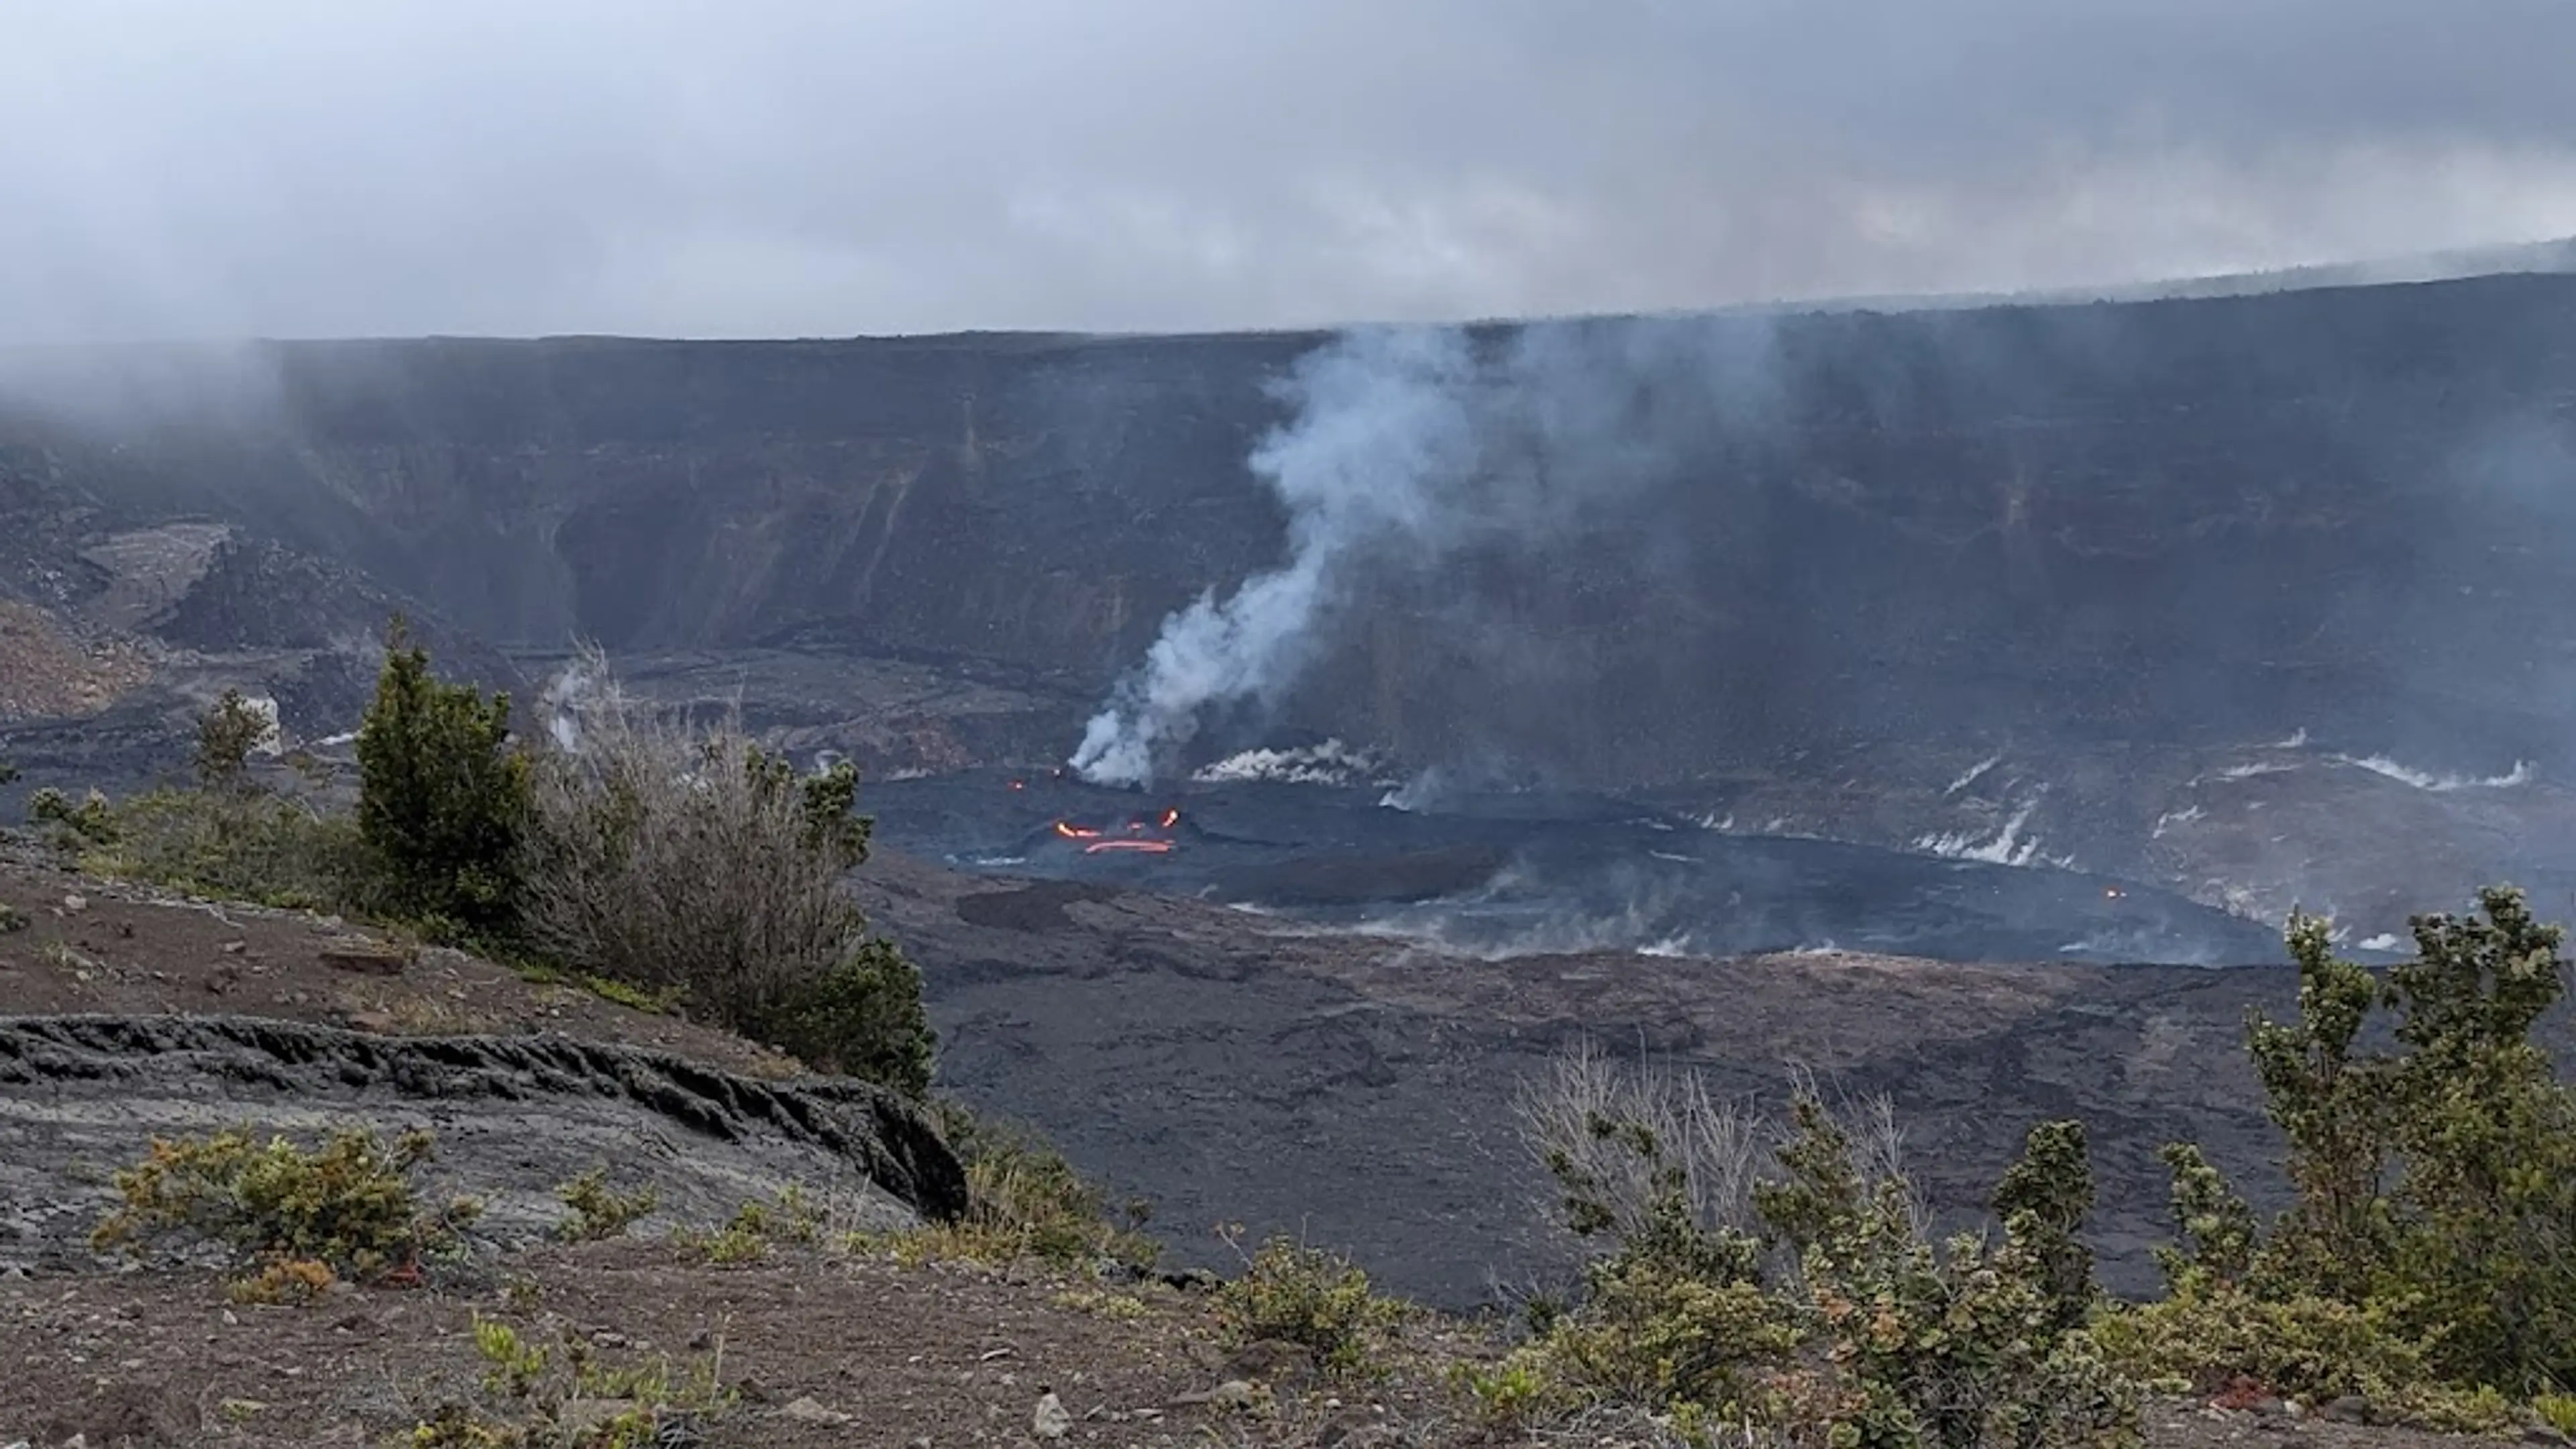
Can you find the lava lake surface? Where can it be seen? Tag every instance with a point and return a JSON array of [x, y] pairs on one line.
[[1514, 873]]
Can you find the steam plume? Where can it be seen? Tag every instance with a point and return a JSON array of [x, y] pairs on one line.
[[1407, 445]]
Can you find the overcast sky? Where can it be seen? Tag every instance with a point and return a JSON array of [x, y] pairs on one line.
[[825, 167]]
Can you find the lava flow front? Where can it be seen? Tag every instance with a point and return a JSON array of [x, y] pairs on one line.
[[1148, 835]]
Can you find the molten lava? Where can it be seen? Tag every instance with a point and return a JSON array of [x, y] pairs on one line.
[[1150, 847], [1139, 834]]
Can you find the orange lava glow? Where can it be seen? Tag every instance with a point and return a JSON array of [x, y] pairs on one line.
[[1140, 833]]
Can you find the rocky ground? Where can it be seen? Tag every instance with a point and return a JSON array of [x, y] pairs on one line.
[[1228, 1067], [812, 1351], [131, 1015], [1352, 1088], [816, 1351]]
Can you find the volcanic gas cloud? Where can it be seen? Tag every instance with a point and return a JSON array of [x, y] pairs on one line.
[[1408, 445]]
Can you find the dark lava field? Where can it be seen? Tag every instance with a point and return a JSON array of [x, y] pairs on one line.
[[1529, 873]]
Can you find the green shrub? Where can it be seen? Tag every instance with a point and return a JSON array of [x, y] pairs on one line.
[[594, 1211], [1809, 1303], [754, 1228], [1319, 1300], [632, 997], [862, 1017], [2435, 1184], [441, 796], [683, 858], [233, 844], [1962, 1344], [2042, 1201], [1024, 1200], [535, 1383], [349, 1204], [227, 839], [12, 919], [72, 827], [2206, 1336]]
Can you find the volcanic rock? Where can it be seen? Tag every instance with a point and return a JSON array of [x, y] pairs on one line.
[[513, 1117]]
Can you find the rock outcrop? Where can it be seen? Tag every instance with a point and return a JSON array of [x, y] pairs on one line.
[[513, 1117]]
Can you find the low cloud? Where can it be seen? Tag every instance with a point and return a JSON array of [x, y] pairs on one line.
[[793, 168]]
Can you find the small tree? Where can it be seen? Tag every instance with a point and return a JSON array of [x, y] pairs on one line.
[[2487, 1203], [227, 733], [2436, 1183], [2043, 1201], [2334, 1108], [441, 793]]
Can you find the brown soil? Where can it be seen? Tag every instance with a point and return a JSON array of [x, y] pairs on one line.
[[93, 946], [888, 1354], [819, 1351], [47, 672]]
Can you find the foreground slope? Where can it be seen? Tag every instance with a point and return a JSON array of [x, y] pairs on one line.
[[827, 1339]]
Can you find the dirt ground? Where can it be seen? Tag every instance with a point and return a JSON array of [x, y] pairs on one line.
[[94, 946], [817, 1352]]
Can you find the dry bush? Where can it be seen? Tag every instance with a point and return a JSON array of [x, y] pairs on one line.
[[676, 855], [1586, 1116], [1026, 1201]]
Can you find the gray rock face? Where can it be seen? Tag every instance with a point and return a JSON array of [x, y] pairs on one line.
[[514, 1116], [2116, 546]]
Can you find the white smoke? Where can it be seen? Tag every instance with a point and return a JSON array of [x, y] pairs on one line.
[[1384, 431], [1330, 763], [573, 688], [1424, 791], [2009, 846], [2387, 768], [1974, 773], [272, 730], [1407, 445]]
